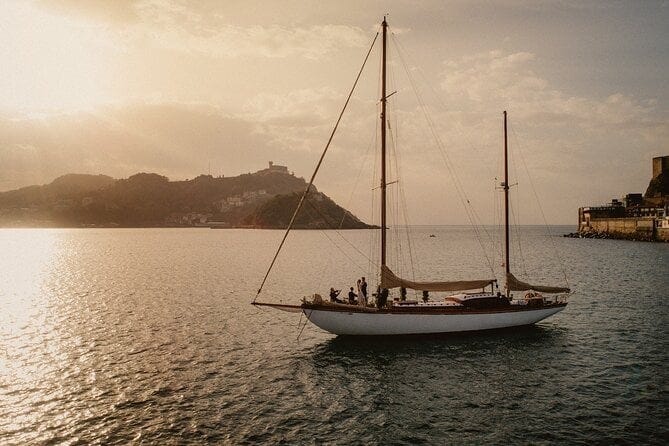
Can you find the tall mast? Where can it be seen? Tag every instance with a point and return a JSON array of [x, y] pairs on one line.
[[383, 145], [507, 266]]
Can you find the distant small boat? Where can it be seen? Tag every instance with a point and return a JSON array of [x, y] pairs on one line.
[[461, 312]]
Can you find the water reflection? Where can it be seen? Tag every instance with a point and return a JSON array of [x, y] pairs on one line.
[[132, 335], [418, 388], [30, 351], [518, 339]]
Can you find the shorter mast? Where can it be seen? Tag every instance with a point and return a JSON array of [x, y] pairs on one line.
[[511, 282], [507, 266]]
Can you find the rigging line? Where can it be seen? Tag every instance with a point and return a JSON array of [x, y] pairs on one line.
[[318, 165], [541, 210], [322, 230], [399, 250], [373, 239], [392, 209], [402, 199], [477, 218], [468, 141], [304, 326], [395, 203], [350, 199], [376, 214], [499, 208], [439, 99], [456, 181], [458, 125], [498, 227], [517, 215], [366, 156], [516, 210], [332, 241], [329, 221], [357, 180], [516, 232], [414, 264]]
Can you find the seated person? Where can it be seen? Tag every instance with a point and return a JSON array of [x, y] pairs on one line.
[[333, 296], [352, 296]]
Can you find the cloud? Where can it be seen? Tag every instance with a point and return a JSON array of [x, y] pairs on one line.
[[581, 146], [303, 119], [190, 28], [274, 41], [509, 80], [116, 12], [176, 140], [304, 107]]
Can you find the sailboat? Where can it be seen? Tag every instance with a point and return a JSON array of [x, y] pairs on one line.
[[463, 311]]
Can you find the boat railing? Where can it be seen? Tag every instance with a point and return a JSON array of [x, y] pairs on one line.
[[557, 298]]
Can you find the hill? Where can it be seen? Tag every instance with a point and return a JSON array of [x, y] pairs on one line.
[[318, 212], [62, 188], [152, 200]]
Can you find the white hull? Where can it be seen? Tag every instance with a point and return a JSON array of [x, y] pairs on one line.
[[387, 323]]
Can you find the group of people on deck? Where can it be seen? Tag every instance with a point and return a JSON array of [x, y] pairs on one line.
[[359, 298]]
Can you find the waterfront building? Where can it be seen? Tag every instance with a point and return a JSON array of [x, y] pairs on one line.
[[635, 215]]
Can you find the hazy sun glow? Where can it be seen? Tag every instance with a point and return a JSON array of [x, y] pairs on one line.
[[51, 63], [27, 323]]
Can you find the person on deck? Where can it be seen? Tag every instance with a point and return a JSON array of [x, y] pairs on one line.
[[351, 297], [426, 296], [363, 289], [381, 297], [333, 296]]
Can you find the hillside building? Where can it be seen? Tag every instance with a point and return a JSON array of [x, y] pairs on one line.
[[277, 168], [274, 168]]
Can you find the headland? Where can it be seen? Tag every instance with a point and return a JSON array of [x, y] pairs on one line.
[[265, 199]]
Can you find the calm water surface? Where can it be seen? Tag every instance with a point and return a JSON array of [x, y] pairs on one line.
[[117, 336]]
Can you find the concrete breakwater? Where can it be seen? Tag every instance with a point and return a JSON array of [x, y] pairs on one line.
[[627, 228], [639, 229]]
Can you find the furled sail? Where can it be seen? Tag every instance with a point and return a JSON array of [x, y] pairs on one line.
[[390, 280], [516, 285]]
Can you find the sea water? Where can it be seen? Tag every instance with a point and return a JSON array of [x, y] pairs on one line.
[[117, 336]]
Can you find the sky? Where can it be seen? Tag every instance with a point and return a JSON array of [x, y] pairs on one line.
[[187, 88]]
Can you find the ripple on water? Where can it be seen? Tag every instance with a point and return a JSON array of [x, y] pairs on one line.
[[131, 336]]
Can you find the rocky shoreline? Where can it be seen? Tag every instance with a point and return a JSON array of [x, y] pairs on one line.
[[636, 237]]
